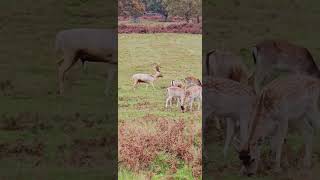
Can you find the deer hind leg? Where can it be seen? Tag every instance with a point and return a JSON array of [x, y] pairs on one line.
[[308, 136], [152, 85], [111, 79], [199, 105], [280, 137], [229, 136], [178, 101], [63, 66], [308, 131]]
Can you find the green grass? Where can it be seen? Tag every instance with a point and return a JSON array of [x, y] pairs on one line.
[[179, 56]]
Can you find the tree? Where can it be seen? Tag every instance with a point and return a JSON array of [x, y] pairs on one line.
[[158, 6], [185, 8], [198, 9], [133, 8]]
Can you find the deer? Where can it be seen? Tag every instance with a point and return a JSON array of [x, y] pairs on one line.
[[194, 93], [232, 100], [291, 100], [177, 83], [272, 55], [175, 92], [146, 78], [87, 45]]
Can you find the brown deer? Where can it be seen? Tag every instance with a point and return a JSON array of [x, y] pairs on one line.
[[272, 55], [232, 100], [288, 100]]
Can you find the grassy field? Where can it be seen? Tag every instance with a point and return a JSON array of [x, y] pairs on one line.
[[179, 56], [45, 136], [236, 26]]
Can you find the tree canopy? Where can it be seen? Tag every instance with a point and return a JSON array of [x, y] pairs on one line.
[[183, 8]]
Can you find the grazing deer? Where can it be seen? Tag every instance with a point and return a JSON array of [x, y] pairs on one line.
[[175, 92], [146, 78], [191, 81], [91, 45], [272, 55], [288, 100], [224, 64], [229, 99], [194, 93]]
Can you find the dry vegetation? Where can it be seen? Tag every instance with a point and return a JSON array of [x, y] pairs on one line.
[[155, 24]]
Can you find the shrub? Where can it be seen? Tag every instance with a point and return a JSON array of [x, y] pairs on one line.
[[171, 28], [142, 144]]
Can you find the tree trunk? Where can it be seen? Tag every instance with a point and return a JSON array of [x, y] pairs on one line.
[[187, 18], [165, 17]]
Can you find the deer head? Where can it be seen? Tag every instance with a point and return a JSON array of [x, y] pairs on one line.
[[156, 67]]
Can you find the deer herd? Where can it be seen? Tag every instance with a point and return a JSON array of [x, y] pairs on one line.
[[184, 91], [257, 105], [254, 105]]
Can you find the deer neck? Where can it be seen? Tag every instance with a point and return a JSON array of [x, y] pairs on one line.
[[156, 75]]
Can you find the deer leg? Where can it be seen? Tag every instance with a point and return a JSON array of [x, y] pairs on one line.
[[281, 135], [178, 102], [152, 85], [308, 136], [111, 80], [191, 103], [167, 101], [135, 82], [229, 136], [63, 67]]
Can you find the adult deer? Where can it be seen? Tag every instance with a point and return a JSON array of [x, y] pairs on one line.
[[272, 55], [231, 100], [288, 100]]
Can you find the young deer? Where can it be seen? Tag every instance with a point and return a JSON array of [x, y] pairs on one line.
[[194, 93], [290, 100], [229, 99], [175, 92], [146, 78]]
